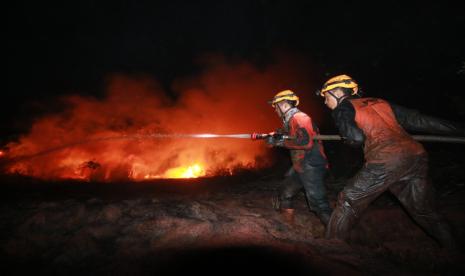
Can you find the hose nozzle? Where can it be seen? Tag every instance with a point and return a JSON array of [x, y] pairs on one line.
[[259, 136], [262, 136]]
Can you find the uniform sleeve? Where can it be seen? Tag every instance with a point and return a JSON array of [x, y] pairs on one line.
[[300, 127], [412, 120], [344, 117]]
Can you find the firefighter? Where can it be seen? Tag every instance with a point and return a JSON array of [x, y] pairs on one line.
[[309, 163], [394, 161]]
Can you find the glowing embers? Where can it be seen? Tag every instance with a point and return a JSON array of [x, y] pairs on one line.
[[193, 171], [77, 143]]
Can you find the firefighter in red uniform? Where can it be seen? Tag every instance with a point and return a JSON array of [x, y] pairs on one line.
[[394, 161], [309, 163]]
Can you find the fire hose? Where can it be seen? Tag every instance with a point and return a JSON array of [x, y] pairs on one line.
[[261, 136], [254, 136], [423, 138]]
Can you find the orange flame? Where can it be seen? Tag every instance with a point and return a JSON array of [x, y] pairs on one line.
[[224, 99], [193, 171]]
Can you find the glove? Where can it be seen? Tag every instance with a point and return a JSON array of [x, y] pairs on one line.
[[275, 140], [279, 131]]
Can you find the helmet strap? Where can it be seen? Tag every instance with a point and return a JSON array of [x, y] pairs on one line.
[[338, 99], [281, 112]]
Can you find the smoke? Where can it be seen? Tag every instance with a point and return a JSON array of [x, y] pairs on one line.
[[225, 97]]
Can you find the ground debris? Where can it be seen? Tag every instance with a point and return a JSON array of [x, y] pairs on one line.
[[176, 232]]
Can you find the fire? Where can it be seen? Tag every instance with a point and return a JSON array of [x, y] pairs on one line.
[[193, 171], [223, 99]]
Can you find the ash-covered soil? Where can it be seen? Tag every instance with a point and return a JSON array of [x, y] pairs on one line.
[[220, 226]]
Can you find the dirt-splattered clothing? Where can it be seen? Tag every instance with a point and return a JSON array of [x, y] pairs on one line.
[[394, 162], [309, 164], [303, 148]]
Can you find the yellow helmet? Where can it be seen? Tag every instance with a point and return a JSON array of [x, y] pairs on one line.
[[286, 95], [341, 81]]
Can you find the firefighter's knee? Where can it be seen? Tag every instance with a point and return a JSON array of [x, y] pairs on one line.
[[346, 206]]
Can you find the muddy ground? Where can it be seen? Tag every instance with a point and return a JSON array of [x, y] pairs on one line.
[[219, 226]]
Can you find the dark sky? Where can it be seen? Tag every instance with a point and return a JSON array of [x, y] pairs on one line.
[[412, 54]]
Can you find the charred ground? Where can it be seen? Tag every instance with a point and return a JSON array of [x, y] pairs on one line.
[[216, 225]]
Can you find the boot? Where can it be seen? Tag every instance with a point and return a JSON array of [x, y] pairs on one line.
[[276, 203], [288, 215]]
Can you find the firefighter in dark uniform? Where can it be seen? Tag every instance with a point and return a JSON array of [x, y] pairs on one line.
[[394, 161], [309, 163]]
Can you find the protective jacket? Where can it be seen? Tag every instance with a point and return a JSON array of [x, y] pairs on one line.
[[380, 127], [394, 162], [309, 165], [303, 148]]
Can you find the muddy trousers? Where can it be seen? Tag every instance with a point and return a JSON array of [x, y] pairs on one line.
[[312, 181], [406, 178]]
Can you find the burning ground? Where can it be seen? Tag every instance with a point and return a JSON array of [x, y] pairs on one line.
[[99, 138]]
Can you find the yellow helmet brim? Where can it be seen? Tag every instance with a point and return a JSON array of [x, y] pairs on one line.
[[284, 96], [341, 81]]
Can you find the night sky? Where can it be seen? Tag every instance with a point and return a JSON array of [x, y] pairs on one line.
[[412, 54]]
